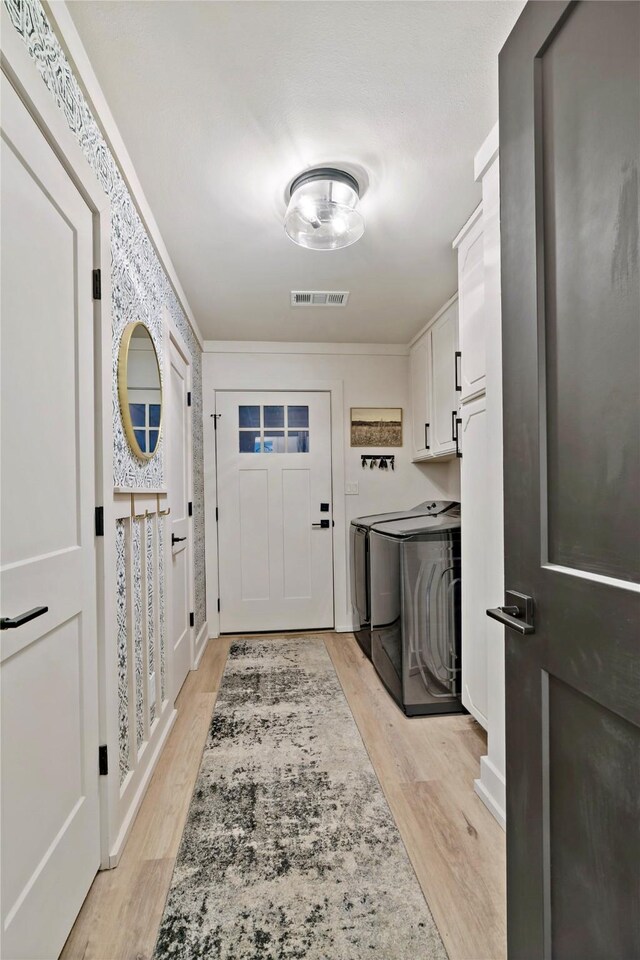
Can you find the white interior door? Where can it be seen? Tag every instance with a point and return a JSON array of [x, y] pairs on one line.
[[275, 511], [50, 809], [179, 451]]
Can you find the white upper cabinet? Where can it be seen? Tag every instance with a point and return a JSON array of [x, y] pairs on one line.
[[444, 398], [419, 368], [433, 386], [470, 246]]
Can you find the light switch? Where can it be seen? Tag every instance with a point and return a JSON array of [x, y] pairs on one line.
[[351, 488]]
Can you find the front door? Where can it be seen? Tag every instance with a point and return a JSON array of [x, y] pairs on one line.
[[50, 810], [569, 159], [275, 528], [178, 444]]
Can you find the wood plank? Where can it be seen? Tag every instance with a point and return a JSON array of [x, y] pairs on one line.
[[426, 768], [120, 917]]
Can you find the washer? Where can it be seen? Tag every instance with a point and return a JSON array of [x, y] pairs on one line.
[[360, 567], [415, 610]]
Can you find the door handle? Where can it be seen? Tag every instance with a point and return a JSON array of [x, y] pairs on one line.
[[175, 539], [457, 357], [454, 429], [426, 436], [457, 438], [324, 524], [8, 623], [517, 612]]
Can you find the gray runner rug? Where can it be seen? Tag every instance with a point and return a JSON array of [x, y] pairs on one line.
[[290, 850]]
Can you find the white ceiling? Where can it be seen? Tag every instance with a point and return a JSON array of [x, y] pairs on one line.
[[221, 104]]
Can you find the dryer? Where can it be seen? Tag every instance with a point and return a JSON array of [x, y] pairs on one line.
[[360, 565], [415, 610]]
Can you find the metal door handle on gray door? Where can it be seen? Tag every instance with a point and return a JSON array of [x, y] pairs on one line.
[[9, 623], [175, 539], [324, 524], [517, 612]]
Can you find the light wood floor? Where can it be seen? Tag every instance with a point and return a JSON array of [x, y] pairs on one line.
[[426, 768]]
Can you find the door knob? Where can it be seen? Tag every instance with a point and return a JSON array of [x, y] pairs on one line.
[[517, 612], [324, 524], [175, 539]]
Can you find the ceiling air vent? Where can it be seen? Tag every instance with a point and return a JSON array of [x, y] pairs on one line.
[[319, 298]]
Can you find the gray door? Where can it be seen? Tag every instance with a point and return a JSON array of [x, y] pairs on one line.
[[570, 150]]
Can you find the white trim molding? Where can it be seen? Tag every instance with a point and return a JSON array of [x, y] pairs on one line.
[[23, 74], [342, 614], [328, 349], [491, 789]]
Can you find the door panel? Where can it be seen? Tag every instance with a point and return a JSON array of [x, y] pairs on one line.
[[593, 453], [444, 399], [592, 877], [570, 143], [419, 362], [475, 533], [471, 310], [179, 446], [50, 810], [274, 473]]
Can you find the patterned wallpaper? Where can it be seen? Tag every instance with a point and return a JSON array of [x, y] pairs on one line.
[[140, 286]]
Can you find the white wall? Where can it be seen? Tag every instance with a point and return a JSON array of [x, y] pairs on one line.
[[369, 376]]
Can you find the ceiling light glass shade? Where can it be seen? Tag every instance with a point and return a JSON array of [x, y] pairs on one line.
[[322, 212]]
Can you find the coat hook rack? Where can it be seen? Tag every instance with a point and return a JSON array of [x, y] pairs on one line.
[[382, 462], [162, 513], [134, 515]]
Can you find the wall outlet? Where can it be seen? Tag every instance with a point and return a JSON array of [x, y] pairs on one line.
[[351, 488]]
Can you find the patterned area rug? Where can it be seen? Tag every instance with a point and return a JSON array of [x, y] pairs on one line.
[[290, 849]]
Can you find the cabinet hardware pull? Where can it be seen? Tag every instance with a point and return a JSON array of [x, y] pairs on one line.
[[8, 623], [457, 438], [426, 436], [457, 357], [454, 432]]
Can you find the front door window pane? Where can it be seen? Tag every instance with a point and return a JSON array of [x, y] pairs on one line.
[[298, 416], [274, 417], [273, 441], [249, 416], [298, 441], [250, 441]]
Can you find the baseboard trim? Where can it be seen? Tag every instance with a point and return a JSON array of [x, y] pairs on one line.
[[491, 789], [201, 644], [123, 833]]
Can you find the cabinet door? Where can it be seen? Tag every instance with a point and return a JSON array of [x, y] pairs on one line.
[[473, 492], [419, 370], [471, 311], [444, 399]]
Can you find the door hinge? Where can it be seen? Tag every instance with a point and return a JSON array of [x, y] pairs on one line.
[[188, 398], [103, 760], [96, 285], [190, 508], [99, 521], [192, 619], [217, 515], [218, 604]]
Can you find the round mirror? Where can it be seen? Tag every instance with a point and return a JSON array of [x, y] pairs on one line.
[[140, 390]]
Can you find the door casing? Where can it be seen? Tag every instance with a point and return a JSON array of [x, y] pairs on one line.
[[284, 384], [23, 75], [175, 342]]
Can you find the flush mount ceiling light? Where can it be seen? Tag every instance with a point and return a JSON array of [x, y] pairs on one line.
[[322, 212]]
